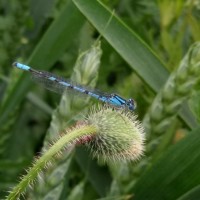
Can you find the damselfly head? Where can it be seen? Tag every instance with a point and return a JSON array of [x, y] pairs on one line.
[[14, 64], [131, 104]]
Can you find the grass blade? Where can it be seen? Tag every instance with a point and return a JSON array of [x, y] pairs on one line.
[[175, 173]]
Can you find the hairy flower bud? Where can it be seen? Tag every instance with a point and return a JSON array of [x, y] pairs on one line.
[[120, 135]]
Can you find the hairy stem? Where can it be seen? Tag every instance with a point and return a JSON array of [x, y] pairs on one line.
[[48, 157]]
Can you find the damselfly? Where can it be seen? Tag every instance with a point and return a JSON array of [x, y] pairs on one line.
[[59, 85]]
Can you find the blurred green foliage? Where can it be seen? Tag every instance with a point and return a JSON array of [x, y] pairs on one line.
[[138, 56]]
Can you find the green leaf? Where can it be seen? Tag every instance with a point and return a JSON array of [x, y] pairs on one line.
[[99, 177], [175, 173], [130, 47], [192, 194]]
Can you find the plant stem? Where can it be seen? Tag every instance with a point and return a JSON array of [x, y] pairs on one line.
[[48, 157]]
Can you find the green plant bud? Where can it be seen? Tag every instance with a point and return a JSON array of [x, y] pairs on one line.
[[195, 68], [184, 88], [176, 90], [175, 105], [120, 136], [163, 125], [182, 71], [194, 54], [169, 90], [87, 65], [156, 110]]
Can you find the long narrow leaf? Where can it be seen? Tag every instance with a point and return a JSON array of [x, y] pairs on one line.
[[174, 174], [192, 194]]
